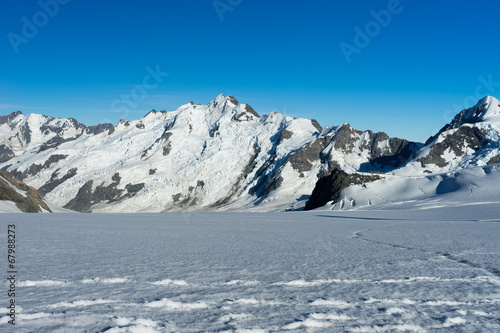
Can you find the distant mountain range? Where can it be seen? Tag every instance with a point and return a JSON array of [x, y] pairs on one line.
[[224, 156]]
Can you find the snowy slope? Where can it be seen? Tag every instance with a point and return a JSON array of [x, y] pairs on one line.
[[219, 156], [460, 188], [424, 270]]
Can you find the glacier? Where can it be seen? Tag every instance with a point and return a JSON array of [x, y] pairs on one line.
[[398, 268]]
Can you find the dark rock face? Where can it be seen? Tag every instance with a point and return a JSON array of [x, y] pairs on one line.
[[398, 153], [31, 203], [191, 198], [344, 138], [54, 142], [464, 137], [250, 110], [302, 159], [247, 115], [9, 117], [85, 198], [285, 135], [330, 187], [316, 125], [54, 181], [468, 116], [35, 168], [494, 160], [98, 129], [5, 153], [232, 99], [24, 134]]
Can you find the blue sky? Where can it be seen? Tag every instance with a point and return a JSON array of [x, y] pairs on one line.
[[412, 71]]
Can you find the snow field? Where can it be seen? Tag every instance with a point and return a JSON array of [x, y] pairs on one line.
[[356, 271]]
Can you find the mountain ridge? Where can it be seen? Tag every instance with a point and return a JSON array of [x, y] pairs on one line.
[[218, 156]]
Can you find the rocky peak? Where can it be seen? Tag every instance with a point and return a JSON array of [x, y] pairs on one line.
[[486, 110], [9, 117]]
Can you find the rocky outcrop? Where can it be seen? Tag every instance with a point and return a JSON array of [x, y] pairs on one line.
[[494, 160], [55, 181], [86, 198], [6, 119], [30, 202], [457, 142], [330, 187]]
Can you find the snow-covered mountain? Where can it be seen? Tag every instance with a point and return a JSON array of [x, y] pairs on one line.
[[218, 156], [471, 139], [457, 166]]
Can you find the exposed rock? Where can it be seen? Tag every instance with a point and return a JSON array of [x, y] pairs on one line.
[[24, 134], [167, 148], [344, 138], [98, 129], [302, 159], [330, 187], [55, 142], [230, 99], [133, 189], [467, 116], [54, 181], [316, 125], [457, 142], [31, 203], [5, 153], [247, 114], [494, 160], [36, 168], [9, 117], [285, 135], [85, 198]]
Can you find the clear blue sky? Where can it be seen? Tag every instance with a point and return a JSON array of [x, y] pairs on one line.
[[408, 80]]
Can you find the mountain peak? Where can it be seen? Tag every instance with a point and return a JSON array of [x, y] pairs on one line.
[[9, 117], [490, 107], [487, 109]]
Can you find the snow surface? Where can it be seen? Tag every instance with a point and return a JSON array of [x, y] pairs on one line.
[[457, 188], [401, 268]]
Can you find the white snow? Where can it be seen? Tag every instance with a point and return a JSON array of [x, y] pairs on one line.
[[391, 269]]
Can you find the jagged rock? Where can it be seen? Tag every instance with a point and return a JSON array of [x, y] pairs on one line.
[[330, 187], [464, 137]]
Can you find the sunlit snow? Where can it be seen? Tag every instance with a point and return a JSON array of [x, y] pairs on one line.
[[392, 269]]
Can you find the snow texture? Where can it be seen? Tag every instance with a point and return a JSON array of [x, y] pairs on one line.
[[394, 269]]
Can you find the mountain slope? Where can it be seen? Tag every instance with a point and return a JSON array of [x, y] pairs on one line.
[[219, 156], [15, 196]]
